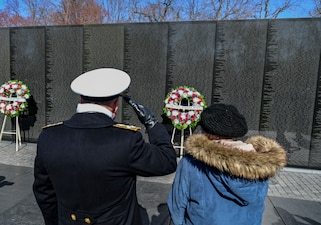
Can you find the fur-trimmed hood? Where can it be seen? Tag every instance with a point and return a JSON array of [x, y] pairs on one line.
[[262, 164]]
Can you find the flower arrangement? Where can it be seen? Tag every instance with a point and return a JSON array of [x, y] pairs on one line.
[[183, 107], [13, 96]]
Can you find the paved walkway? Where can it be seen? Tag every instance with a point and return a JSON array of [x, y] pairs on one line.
[[294, 195], [289, 183]]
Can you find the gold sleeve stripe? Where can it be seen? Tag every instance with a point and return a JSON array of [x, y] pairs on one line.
[[127, 127], [52, 125]]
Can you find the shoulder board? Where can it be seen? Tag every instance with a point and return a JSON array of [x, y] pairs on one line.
[[127, 127], [52, 125]]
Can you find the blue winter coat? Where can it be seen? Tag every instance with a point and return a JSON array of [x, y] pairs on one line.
[[217, 185]]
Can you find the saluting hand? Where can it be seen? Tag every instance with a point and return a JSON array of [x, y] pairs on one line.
[[145, 116]]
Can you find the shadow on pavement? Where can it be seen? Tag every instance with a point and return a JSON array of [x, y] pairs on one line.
[[3, 182], [290, 218], [163, 217]]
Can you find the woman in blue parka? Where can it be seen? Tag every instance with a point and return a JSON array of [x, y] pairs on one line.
[[222, 180]]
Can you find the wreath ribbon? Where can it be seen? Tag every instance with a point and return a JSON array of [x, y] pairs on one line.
[[12, 99], [172, 106]]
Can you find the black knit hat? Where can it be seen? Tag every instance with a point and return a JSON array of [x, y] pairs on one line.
[[223, 120]]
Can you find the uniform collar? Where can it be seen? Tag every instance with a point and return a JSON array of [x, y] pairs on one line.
[[93, 108]]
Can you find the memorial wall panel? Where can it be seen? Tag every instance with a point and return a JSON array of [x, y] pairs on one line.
[[145, 61], [28, 65], [4, 55], [315, 147], [289, 95], [239, 67], [190, 60], [104, 47], [4, 63], [314, 160], [64, 56]]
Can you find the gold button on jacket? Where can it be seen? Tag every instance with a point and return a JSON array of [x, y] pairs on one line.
[[87, 220], [73, 217]]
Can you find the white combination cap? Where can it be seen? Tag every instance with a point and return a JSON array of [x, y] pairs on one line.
[[101, 83]]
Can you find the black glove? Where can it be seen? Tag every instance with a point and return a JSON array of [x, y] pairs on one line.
[[145, 116]]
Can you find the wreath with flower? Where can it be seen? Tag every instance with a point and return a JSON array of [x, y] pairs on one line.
[[13, 98], [183, 106]]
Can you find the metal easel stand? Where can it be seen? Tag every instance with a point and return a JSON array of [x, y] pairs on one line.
[[16, 132], [182, 139]]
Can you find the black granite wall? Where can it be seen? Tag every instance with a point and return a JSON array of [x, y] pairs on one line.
[[269, 69]]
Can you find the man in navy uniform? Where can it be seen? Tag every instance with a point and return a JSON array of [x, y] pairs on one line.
[[86, 167]]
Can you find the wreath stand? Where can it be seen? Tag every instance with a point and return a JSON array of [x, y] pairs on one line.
[[181, 143], [182, 137], [16, 132]]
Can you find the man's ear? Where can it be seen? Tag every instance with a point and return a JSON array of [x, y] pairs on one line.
[[115, 105]]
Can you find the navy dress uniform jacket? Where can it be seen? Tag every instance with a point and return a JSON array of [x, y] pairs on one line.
[[85, 170]]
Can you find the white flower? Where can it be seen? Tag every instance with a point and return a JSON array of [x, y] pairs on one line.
[[24, 87], [183, 116], [26, 96], [176, 121], [191, 113], [180, 92], [168, 113], [196, 99], [188, 122], [175, 113], [174, 96], [184, 95], [19, 92]]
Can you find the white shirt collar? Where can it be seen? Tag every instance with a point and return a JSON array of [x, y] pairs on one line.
[[93, 108]]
